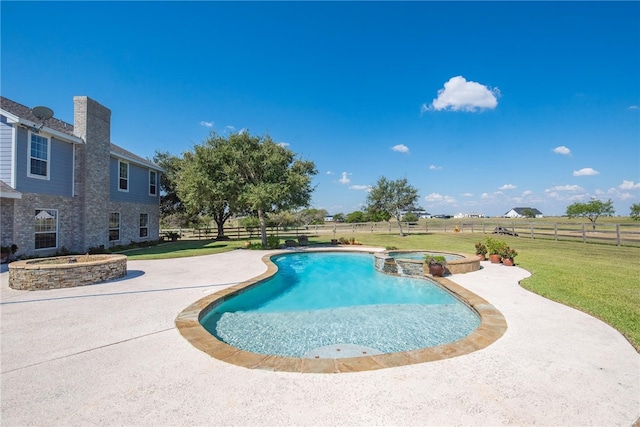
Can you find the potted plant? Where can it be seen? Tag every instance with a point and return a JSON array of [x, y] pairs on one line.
[[495, 247], [481, 251], [508, 254], [436, 265]]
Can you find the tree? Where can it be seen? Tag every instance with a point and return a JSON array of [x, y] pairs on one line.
[[355, 216], [591, 210], [203, 185], [635, 211], [339, 217], [392, 198], [266, 177], [410, 217], [311, 216], [529, 213]]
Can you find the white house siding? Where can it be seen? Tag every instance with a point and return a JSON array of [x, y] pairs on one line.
[[6, 152]]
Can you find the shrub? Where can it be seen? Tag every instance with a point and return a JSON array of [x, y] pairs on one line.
[[495, 246], [273, 242]]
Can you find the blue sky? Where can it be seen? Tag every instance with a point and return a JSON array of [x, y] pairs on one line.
[[481, 106]]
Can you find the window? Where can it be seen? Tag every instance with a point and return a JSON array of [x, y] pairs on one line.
[[114, 226], [123, 173], [46, 230], [153, 182], [144, 225], [38, 156]]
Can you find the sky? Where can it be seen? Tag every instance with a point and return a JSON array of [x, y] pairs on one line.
[[481, 106]]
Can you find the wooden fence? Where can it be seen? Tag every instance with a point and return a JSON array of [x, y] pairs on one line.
[[624, 234]]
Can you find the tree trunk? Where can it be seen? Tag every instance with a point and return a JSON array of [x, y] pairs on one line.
[[400, 226], [263, 228]]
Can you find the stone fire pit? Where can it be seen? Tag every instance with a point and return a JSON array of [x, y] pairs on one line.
[[66, 271]]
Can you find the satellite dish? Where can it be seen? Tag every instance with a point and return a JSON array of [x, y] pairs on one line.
[[42, 113]]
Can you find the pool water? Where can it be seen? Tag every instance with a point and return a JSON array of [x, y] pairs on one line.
[[324, 300]]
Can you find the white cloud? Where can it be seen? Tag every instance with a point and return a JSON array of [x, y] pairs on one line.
[[467, 194], [586, 172], [633, 107], [508, 187], [485, 195], [283, 144], [360, 187], [527, 193], [229, 129], [439, 198], [460, 94], [564, 188], [329, 173], [629, 185], [434, 167], [400, 148], [206, 124], [243, 130], [345, 178], [562, 150]]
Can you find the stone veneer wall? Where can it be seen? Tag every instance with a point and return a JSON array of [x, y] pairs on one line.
[[92, 123], [6, 222], [406, 267], [34, 275], [130, 222], [24, 222]]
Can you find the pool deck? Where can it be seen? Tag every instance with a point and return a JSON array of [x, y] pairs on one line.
[[110, 354]]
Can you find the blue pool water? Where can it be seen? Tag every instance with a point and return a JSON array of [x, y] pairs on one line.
[[339, 301]]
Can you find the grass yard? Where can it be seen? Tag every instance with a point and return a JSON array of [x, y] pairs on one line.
[[601, 280]]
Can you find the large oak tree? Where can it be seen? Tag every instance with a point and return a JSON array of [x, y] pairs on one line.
[[392, 198], [591, 210]]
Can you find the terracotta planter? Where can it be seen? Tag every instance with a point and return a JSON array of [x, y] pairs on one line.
[[482, 257], [494, 258], [508, 261], [436, 270]]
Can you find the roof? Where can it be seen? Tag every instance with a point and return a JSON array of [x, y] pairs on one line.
[[24, 112], [6, 191], [521, 211]]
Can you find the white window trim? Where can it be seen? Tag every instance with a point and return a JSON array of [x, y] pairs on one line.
[[29, 174], [57, 230], [128, 175], [155, 183], [119, 225]]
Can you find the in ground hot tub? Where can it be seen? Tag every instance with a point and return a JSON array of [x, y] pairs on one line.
[[411, 263]]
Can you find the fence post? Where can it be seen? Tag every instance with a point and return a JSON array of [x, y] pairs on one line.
[[555, 230], [471, 228], [483, 230], [618, 233], [531, 225], [584, 235]]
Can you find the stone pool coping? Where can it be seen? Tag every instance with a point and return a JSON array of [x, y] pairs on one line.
[[492, 326]]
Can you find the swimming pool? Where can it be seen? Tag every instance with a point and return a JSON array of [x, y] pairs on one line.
[[188, 322], [337, 305]]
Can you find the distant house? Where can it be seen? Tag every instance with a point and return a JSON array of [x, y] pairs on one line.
[[469, 215], [65, 186], [522, 213], [328, 218]]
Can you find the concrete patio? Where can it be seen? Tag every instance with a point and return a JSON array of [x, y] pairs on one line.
[[110, 354]]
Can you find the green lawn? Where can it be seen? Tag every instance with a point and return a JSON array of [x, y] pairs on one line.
[[602, 280]]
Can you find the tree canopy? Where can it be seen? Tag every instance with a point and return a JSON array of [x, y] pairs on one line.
[[591, 210], [263, 176], [635, 211], [392, 198]]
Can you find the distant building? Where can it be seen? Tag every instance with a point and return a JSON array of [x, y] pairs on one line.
[[469, 215], [328, 218], [522, 213], [421, 214]]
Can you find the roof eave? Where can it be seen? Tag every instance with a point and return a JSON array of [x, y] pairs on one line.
[[31, 125]]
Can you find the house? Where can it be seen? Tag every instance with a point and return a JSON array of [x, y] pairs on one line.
[[66, 187], [469, 215], [522, 213]]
